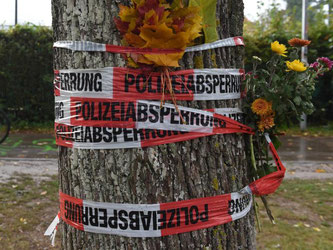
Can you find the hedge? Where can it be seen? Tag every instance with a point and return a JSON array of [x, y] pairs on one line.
[[26, 76]]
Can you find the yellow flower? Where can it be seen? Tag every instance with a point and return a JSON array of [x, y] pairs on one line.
[[260, 106], [278, 48], [296, 65], [266, 121]]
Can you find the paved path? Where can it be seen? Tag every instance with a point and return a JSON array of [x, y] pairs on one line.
[[307, 157], [33, 154], [36, 154]]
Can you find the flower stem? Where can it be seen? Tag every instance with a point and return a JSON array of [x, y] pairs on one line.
[[253, 159]]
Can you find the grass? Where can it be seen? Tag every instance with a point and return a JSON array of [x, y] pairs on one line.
[[32, 127], [303, 211], [26, 210], [312, 130]]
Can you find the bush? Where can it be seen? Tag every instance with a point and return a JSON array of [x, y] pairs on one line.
[[26, 75]]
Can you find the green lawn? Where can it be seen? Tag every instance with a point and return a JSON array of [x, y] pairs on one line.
[[319, 130], [303, 213]]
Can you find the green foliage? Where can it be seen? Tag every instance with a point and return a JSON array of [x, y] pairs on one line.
[[26, 73], [283, 25]]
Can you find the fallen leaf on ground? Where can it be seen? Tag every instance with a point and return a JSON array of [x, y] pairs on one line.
[[317, 229], [23, 220], [309, 148], [306, 225], [320, 171], [43, 193]]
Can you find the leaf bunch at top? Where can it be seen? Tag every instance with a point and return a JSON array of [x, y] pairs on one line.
[[157, 24]]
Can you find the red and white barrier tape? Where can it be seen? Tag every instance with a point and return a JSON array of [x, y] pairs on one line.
[[141, 114], [111, 138], [155, 220], [92, 46], [125, 83]]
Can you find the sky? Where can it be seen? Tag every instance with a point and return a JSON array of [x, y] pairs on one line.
[[39, 11]]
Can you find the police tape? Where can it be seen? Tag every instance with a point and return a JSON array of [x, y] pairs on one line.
[[142, 114], [87, 137], [125, 83], [152, 220], [92, 46], [155, 220]]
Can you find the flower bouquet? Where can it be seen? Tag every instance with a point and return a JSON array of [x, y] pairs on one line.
[[278, 92]]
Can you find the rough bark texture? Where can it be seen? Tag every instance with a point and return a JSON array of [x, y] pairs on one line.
[[192, 169]]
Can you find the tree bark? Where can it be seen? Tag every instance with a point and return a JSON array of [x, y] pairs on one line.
[[192, 169]]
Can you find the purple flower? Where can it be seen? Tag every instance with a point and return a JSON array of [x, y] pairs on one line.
[[314, 66], [325, 61]]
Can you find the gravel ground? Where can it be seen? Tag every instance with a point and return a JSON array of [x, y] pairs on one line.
[[38, 168]]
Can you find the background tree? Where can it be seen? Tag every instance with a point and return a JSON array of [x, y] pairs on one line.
[[197, 168]]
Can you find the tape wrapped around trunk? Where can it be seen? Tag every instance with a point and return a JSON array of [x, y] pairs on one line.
[[92, 46], [133, 84], [155, 220]]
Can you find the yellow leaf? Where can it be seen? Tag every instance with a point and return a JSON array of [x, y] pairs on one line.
[[320, 171], [132, 63], [317, 229], [126, 14], [163, 59]]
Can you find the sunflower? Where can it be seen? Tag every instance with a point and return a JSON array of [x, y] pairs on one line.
[[296, 65], [278, 48], [261, 107], [296, 42]]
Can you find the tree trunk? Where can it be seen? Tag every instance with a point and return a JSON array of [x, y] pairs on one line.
[[192, 169]]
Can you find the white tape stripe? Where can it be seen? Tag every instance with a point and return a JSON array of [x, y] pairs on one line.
[[242, 195], [80, 45], [267, 138], [110, 207], [224, 111], [217, 44], [49, 231]]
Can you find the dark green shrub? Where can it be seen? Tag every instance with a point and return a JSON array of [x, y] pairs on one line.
[[26, 89]]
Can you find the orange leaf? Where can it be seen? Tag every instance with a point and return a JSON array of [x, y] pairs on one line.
[[134, 40]]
